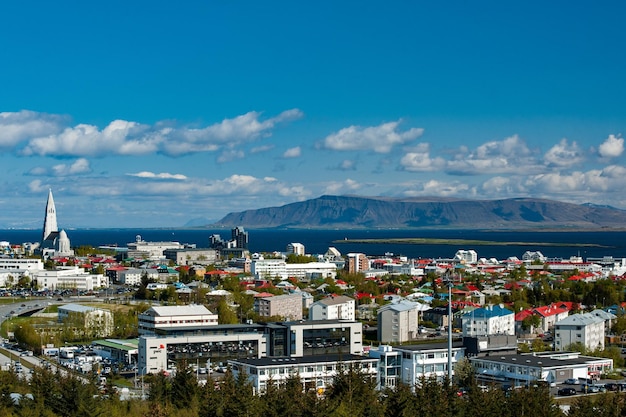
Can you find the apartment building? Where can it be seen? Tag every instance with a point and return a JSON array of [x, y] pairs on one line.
[[333, 308], [586, 329], [287, 306]]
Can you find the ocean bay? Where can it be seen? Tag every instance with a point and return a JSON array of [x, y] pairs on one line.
[[551, 243]]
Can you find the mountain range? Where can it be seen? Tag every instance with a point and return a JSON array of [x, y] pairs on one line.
[[327, 212]]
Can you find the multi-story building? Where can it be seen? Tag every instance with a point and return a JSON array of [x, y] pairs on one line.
[[311, 270], [333, 308], [586, 329], [315, 372], [488, 321], [427, 361], [150, 250], [356, 262], [192, 256], [133, 276], [94, 322], [295, 248], [269, 268], [287, 306], [399, 322], [466, 256], [162, 320], [74, 278], [216, 344]]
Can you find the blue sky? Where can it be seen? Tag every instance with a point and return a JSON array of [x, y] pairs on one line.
[[149, 114]]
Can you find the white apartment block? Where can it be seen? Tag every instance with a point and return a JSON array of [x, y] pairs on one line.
[[587, 329], [164, 319], [311, 270], [333, 308], [427, 361], [21, 264], [269, 268], [70, 278], [295, 248], [315, 372], [132, 276], [466, 256], [488, 321], [151, 250]]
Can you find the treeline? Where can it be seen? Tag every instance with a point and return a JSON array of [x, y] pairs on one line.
[[352, 394]]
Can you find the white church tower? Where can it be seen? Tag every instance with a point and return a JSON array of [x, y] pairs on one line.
[[50, 228]]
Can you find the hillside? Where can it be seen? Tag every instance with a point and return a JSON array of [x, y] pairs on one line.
[[381, 212]]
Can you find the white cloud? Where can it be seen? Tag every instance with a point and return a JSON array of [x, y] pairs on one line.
[[80, 166], [347, 165], [564, 155], [16, 127], [342, 187], [122, 137], [612, 147], [230, 155], [261, 149], [380, 139], [419, 160], [160, 176], [292, 152], [510, 155]]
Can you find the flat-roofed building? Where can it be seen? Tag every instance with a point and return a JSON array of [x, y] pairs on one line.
[[287, 306], [315, 372], [217, 344], [86, 320], [192, 256], [74, 278], [165, 319]]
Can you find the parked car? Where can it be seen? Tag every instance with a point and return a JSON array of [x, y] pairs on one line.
[[571, 381], [612, 386], [566, 391]]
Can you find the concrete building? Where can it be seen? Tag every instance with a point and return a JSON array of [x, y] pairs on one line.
[[140, 249], [356, 262], [426, 361], [586, 329], [315, 372], [162, 320], [69, 278], [133, 276], [399, 322], [488, 321], [522, 370], [295, 248], [269, 268], [95, 322], [311, 270], [287, 306], [214, 345], [466, 256], [333, 308], [192, 256]]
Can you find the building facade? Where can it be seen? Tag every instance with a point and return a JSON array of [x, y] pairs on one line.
[[287, 306], [161, 320], [333, 308], [586, 329]]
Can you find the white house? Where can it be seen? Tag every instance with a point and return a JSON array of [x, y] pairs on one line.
[[333, 308]]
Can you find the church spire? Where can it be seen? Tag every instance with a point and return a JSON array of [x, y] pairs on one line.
[[50, 228]]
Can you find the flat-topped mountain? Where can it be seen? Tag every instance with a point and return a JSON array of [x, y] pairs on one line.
[[383, 212]]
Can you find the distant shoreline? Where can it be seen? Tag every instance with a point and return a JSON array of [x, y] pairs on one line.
[[465, 242]]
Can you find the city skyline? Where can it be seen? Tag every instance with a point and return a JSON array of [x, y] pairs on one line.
[[152, 115]]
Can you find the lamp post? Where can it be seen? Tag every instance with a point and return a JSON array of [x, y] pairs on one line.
[[449, 281]]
